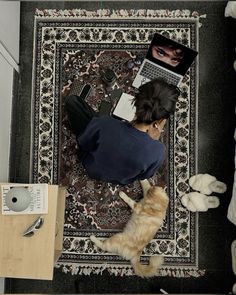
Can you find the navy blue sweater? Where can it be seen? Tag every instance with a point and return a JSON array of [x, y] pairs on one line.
[[116, 152]]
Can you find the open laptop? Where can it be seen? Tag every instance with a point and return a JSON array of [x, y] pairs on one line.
[[166, 59]]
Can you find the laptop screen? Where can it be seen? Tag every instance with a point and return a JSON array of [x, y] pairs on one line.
[[170, 54]]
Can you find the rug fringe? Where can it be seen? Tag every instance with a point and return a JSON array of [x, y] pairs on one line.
[[80, 269], [107, 13]]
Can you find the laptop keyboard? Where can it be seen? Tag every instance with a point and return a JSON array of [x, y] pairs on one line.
[[151, 72]]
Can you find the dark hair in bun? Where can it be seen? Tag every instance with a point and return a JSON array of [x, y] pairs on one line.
[[155, 100]]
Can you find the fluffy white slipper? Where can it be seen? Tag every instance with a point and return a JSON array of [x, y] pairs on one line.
[[185, 200], [218, 187], [213, 202], [206, 184], [234, 289], [233, 253], [195, 201]]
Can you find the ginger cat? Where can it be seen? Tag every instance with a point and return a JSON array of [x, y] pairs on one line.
[[146, 219]]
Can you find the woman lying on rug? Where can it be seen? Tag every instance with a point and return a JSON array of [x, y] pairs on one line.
[[117, 151]]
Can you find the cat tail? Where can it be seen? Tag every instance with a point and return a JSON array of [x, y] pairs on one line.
[[147, 270]]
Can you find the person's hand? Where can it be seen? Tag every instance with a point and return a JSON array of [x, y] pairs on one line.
[[160, 127], [66, 90]]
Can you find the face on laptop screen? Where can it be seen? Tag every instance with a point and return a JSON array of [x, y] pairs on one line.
[[170, 54]]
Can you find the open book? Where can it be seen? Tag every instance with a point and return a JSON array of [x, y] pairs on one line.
[[124, 108]]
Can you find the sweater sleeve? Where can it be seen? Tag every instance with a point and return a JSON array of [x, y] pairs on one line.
[[89, 138]]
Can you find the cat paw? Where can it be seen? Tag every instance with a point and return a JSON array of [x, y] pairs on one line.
[[122, 195], [93, 238], [144, 182]]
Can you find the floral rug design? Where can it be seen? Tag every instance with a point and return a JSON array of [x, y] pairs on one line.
[[79, 44]]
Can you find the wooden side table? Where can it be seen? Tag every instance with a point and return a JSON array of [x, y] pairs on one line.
[[32, 257]]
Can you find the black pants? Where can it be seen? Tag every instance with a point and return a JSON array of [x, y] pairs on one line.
[[79, 113]]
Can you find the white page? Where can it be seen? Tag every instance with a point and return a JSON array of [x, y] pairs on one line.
[[124, 108]]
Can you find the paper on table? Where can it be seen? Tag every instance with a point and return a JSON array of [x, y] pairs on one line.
[[124, 108]]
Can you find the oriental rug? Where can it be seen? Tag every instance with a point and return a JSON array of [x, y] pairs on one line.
[[79, 44]]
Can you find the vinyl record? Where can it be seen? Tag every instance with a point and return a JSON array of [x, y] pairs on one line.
[[18, 199]]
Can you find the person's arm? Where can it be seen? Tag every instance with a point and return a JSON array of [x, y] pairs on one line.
[[89, 139], [66, 90], [151, 170]]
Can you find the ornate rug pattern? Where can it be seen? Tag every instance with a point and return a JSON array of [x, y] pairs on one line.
[[79, 44]]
